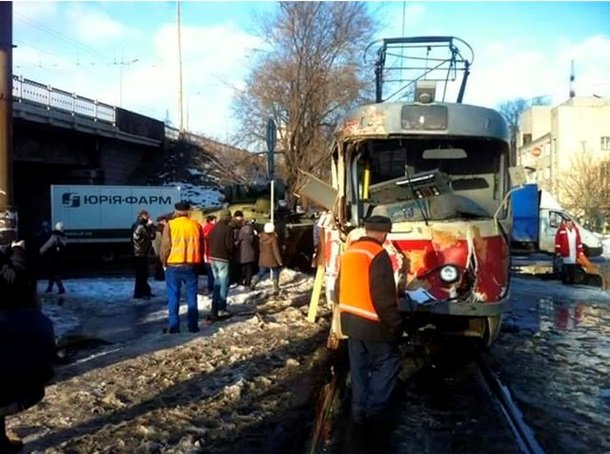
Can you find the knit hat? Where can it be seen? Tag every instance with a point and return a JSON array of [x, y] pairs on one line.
[[269, 227], [378, 224], [183, 205], [59, 226]]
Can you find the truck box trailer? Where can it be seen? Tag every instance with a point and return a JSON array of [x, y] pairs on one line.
[[536, 218], [104, 214]]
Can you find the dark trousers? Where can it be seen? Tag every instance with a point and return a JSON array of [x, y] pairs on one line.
[[141, 288], [207, 266], [247, 271], [568, 273], [374, 368], [53, 273]]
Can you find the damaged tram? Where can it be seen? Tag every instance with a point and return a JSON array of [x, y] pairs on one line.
[[440, 172]]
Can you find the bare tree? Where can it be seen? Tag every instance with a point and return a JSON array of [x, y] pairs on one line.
[[584, 189], [512, 111], [310, 77]]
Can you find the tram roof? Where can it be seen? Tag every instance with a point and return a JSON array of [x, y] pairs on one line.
[[400, 119]]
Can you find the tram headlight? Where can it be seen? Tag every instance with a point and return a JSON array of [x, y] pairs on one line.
[[449, 274]]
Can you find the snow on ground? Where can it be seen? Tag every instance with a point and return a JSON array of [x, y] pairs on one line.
[[200, 196], [606, 246], [241, 385]]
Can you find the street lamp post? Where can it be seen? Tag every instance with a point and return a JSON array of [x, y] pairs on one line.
[[121, 64]]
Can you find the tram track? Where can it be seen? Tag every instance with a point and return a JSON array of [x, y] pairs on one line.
[[447, 402], [522, 432]]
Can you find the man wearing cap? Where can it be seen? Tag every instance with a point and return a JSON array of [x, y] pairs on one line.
[[221, 244], [142, 236], [370, 318], [181, 253]]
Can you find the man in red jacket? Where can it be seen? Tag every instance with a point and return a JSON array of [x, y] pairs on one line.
[[568, 246]]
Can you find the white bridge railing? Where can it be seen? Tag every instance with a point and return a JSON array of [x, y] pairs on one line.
[[54, 98]]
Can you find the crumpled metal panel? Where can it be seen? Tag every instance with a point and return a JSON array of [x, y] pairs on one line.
[[488, 256], [370, 122]]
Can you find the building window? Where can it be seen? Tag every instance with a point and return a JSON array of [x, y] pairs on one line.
[[527, 138], [605, 145]]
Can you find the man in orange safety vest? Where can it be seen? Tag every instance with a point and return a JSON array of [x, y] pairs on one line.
[[370, 318]]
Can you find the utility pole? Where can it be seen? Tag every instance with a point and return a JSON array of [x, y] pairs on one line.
[[8, 216], [180, 97]]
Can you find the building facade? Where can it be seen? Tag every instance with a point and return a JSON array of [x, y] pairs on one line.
[[550, 138]]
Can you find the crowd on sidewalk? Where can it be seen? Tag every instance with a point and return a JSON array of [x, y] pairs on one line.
[[228, 249]]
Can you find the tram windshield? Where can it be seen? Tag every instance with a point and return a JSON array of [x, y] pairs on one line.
[[433, 179]]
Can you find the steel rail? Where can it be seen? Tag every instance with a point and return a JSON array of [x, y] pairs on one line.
[[523, 433]]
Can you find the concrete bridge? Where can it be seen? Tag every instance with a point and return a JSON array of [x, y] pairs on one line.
[[62, 138]]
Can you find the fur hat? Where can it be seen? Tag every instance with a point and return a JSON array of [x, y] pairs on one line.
[[59, 226], [269, 227], [378, 224], [183, 205]]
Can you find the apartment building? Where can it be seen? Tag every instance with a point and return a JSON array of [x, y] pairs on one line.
[[550, 137]]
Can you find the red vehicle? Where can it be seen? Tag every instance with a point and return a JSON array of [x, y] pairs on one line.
[[440, 171]]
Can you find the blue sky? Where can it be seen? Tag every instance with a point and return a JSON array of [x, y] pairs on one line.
[[124, 53]]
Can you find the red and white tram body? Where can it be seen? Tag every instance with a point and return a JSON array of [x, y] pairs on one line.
[[439, 171]]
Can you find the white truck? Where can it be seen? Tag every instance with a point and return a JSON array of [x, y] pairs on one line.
[[101, 216], [536, 218]]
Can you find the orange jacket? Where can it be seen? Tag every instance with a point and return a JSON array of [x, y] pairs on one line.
[[367, 293], [355, 296], [182, 242]]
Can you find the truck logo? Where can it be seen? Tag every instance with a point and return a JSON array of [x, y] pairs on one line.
[[74, 200], [70, 199]]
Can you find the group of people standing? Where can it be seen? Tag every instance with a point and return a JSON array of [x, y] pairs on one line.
[[227, 249]]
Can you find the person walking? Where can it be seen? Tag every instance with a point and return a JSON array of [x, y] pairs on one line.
[[568, 246], [181, 254], [270, 257], [246, 252], [210, 222], [369, 317], [142, 236], [27, 340], [52, 252], [235, 268], [221, 254]]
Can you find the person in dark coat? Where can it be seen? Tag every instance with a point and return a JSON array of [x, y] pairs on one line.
[[235, 268], [270, 257], [27, 340], [221, 255], [53, 252], [246, 252], [143, 234], [41, 237]]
